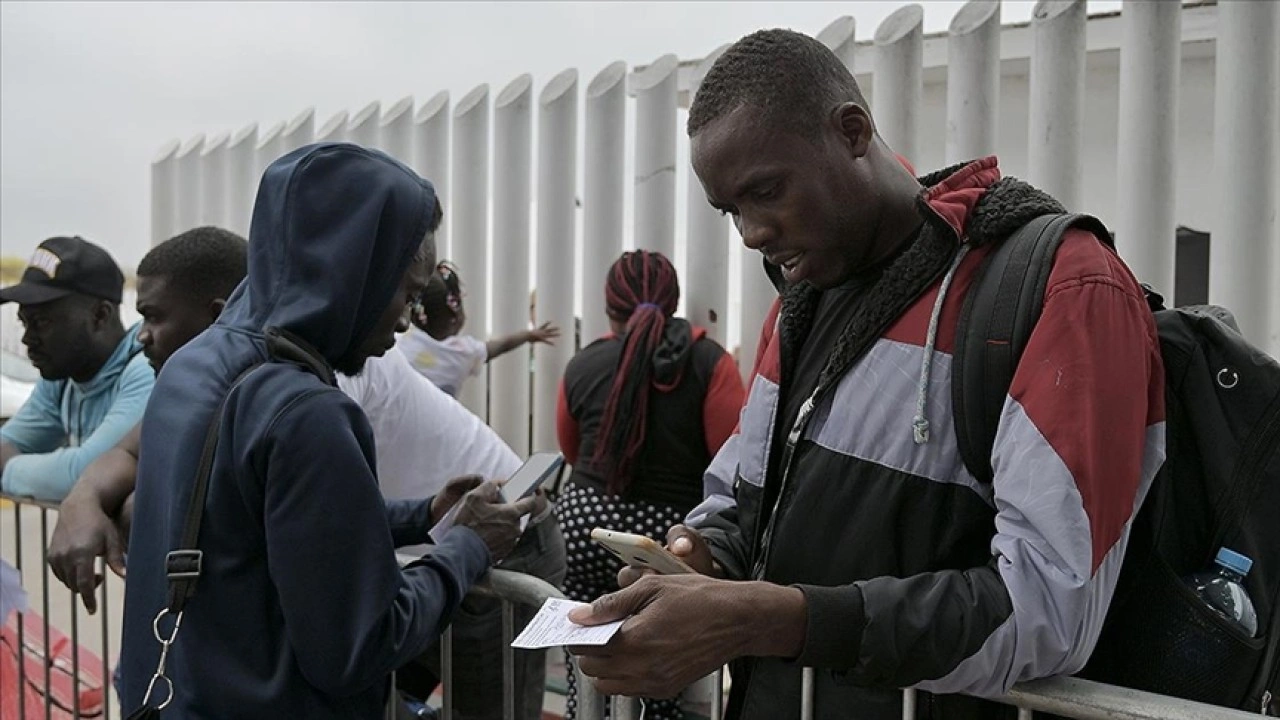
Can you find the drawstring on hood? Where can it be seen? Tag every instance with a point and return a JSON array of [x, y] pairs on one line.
[[1003, 207], [920, 423]]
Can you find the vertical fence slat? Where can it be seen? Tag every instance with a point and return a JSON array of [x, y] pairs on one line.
[[707, 245], [395, 134], [1150, 58], [973, 81], [242, 178], [1056, 129], [513, 158], [364, 128], [602, 192], [300, 131], [188, 185], [431, 155], [758, 295], [1245, 147], [557, 232], [270, 147], [898, 78], [655, 181], [213, 181], [470, 232], [840, 36], [334, 129], [164, 193]]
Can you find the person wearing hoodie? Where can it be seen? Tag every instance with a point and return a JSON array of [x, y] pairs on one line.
[[858, 554], [94, 382], [641, 413], [299, 608]]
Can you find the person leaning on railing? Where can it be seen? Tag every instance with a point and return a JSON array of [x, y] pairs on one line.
[[93, 385], [423, 437], [848, 535], [300, 608]]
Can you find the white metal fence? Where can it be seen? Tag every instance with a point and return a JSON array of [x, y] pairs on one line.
[[1019, 90]]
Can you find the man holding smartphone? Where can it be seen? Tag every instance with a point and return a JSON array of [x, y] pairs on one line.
[[426, 443], [857, 543]]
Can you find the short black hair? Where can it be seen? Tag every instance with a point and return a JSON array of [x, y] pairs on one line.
[[790, 78], [204, 263]]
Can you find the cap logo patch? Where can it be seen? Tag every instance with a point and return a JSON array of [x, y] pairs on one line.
[[45, 261]]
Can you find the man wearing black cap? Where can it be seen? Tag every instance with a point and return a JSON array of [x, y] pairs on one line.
[[95, 381]]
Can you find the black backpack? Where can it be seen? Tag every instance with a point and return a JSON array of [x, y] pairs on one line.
[[1219, 486]]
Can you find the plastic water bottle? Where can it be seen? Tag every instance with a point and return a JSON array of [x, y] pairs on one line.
[[1222, 588]]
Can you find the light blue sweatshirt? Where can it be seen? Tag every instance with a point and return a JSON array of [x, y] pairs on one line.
[[65, 425]]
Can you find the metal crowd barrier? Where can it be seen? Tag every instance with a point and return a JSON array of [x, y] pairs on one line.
[[59, 612], [1064, 696]]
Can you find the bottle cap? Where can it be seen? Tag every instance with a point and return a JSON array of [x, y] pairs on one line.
[[1232, 560]]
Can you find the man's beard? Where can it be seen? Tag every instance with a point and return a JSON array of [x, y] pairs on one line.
[[351, 364]]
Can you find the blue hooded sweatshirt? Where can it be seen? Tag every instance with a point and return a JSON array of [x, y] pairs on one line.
[[302, 610]]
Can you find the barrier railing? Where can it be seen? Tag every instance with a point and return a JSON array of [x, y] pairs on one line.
[[1063, 696], [31, 522], [55, 676]]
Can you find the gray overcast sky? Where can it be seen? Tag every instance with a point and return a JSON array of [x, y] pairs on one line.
[[90, 91]]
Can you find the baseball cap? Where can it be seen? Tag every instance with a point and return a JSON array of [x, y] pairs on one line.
[[61, 266]]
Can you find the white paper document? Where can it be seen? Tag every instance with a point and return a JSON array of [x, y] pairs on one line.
[[552, 627]]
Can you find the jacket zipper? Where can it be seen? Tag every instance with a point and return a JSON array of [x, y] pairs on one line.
[[793, 440], [788, 453]]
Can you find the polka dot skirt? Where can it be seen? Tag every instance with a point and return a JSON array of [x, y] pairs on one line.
[[593, 571]]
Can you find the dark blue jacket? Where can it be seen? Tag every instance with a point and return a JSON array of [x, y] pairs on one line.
[[302, 610]]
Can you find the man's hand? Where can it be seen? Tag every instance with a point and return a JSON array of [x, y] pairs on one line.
[[496, 522], [453, 491], [544, 333], [83, 534], [686, 544], [684, 627]]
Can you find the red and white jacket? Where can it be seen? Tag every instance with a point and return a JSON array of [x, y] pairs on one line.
[[916, 574]]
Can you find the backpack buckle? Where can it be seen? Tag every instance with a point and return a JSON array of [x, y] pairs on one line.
[[183, 564]]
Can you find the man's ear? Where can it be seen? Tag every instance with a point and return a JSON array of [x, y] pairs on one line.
[[103, 312], [215, 308], [854, 125]]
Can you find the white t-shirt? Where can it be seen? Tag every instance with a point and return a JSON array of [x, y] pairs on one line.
[[447, 363], [424, 438]]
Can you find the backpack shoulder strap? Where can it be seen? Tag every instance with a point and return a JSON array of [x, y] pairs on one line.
[[183, 565], [999, 312]]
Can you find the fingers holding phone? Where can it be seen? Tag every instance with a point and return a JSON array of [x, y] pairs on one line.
[[495, 521], [688, 544], [641, 554], [685, 545]]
